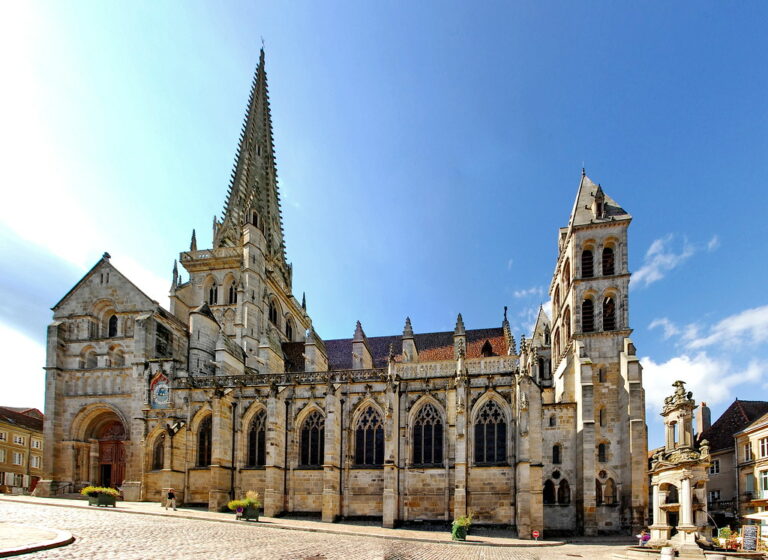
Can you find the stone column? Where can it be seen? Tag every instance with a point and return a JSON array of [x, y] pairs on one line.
[[277, 429], [221, 449], [460, 465], [686, 503], [332, 460], [93, 462], [391, 497]]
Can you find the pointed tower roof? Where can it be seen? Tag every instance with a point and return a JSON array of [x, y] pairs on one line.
[[253, 186], [583, 213], [542, 322]]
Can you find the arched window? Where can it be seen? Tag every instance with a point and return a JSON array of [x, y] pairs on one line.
[[608, 262], [602, 452], [556, 345], [88, 359], [553, 420], [257, 440], [598, 493], [273, 312], [609, 492], [547, 335], [289, 330], [369, 439], [564, 493], [567, 325], [556, 303], [587, 264], [213, 293], [232, 295], [601, 375], [428, 437], [601, 417], [204, 442], [158, 453], [556, 459], [672, 495], [487, 349], [587, 316], [313, 440], [549, 492], [540, 363], [112, 326], [609, 314], [116, 357], [490, 435], [567, 274]]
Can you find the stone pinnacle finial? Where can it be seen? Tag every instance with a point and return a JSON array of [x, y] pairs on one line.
[[359, 334], [304, 300], [193, 242], [583, 172], [175, 274], [106, 256], [408, 329], [505, 314], [459, 325]]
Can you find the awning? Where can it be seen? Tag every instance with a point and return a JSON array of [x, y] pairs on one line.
[[760, 516]]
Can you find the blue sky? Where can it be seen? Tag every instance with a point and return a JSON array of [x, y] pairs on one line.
[[426, 154]]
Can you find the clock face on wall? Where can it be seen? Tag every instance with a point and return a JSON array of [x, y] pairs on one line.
[[161, 392]]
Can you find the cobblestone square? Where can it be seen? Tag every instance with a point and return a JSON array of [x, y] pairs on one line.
[[114, 534]]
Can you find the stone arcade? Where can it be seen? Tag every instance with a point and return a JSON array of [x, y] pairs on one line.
[[233, 389]]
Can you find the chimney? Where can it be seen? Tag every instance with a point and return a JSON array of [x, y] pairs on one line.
[[703, 418]]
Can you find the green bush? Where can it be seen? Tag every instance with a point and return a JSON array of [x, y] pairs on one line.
[[251, 499], [93, 491]]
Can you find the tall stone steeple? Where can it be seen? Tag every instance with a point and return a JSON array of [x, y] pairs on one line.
[[253, 195]]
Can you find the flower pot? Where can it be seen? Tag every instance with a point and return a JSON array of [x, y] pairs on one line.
[[102, 500], [250, 512], [459, 532]]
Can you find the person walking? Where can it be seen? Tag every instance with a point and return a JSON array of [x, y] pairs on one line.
[[171, 501]]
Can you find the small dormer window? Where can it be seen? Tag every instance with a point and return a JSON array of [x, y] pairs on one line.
[[487, 349]]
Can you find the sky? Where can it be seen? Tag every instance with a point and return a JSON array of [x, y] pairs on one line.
[[427, 154]]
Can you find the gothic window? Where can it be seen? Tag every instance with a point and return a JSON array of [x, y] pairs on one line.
[[556, 345], [587, 264], [273, 312], [601, 375], [549, 493], [609, 314], [213, 294], [490, 435], [163, 345], [567, 274], [567, 325], [602, 452], [289, 330], [487, 349], [313, 440], [598, 493], [428, 437], [158, 453], [547, 336], [563, 493], [255, 218], [609, 492], [587, 316], [257, 440], [540, 363], [556, 458], [553, 420], [112, 326], [204, 442], [232, 294], [608, 262], [556, 302], [369, 439]]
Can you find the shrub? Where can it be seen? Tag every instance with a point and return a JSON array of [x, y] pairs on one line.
[[93, 491], [464, 520], [251, 499]]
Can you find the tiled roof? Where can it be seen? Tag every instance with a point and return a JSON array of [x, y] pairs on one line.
[[431, 347], [582, 208], [10, 416], [735, 418]]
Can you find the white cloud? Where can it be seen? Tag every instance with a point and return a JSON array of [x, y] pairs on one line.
[[711, 379], [747, 327], [713, 243], [669, 327], [23, 362], [509, 264], [533, 291], [660, 259], [548, 308]]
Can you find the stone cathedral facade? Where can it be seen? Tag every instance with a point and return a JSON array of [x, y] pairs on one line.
[[232, 388]]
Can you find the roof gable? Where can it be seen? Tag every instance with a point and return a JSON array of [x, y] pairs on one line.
[[735, 418]]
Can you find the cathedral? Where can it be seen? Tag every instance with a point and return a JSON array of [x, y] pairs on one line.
[[232, 388]]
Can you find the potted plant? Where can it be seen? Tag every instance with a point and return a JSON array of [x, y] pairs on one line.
[[100, 496], [246, 508], [460, 527]]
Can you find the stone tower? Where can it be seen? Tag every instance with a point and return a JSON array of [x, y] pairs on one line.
[[594, 362], [244, 280]]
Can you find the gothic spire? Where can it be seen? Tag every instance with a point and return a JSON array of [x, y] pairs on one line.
[[253, 194]]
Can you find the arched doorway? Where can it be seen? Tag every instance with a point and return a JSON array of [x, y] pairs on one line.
[[111, 454]]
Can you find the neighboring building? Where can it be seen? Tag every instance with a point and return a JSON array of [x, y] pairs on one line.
[[21, 449], [752, 454], [679, 478], [233, 389], [722, 497]]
